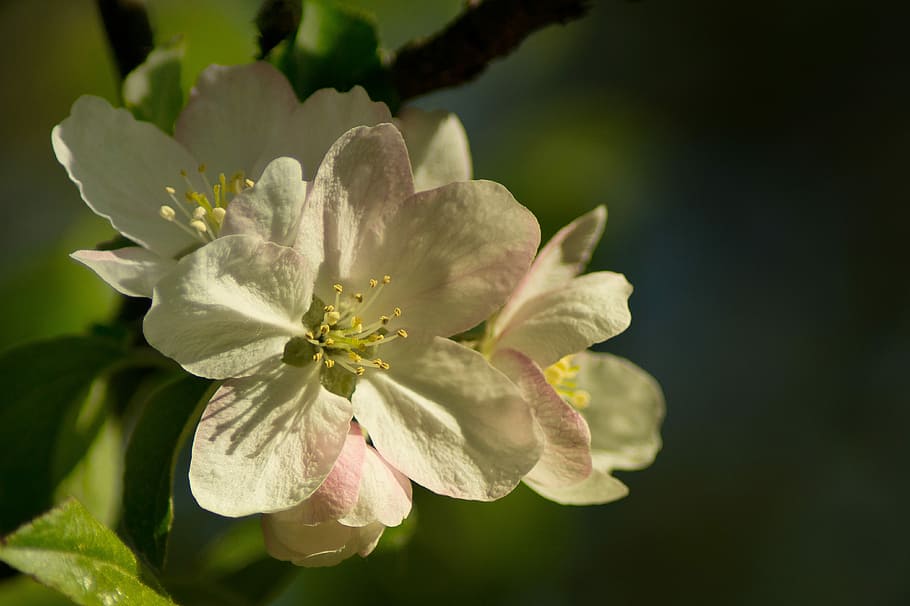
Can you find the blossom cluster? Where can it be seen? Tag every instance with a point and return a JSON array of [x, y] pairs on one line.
[[324, 261]]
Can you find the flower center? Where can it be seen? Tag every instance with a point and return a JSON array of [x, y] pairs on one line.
[[337, 334], [561, 376], [202, 217]]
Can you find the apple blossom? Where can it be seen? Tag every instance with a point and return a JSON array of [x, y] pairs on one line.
[[172, 195], [598, 412], [351, 322]]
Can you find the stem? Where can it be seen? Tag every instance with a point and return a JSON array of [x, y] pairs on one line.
[[484, 32], [129, 32]]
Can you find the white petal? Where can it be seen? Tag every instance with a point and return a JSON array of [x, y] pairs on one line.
[[266, 443], [322, 119], [561, 259], [625, 413], [448, 420], [566, 457], [325, 544], [385, 494], [234, 115], [132, 271], [589, 309], [362, 181], [339, 493], [230, 306], [599, 487], [438, 147], [454, 254], [271, 209], [122, 167]]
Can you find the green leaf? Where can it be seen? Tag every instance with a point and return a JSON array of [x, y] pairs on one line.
[[47, 422], [96, 479], [152, 91], [69, 550], [336, 48], [169, 415]]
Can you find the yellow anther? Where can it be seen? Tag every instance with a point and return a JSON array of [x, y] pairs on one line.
[[199, 226], [328, 308], [402, 333], [329, 342], [338, 288], [384, 319], [317, 356], [182, 173], [378, 362], [324, 329], [375, 337], [581, 399], [167, 213], [249, 183], [385, 365], [359, 370], [332, 317], [359, 297], [219, 214], [309, 334], [386, 279], [356, 321], [170, 190], [201, 168], [355, 357], [199, 213], [374, 282], [396, 312], [329, 362]]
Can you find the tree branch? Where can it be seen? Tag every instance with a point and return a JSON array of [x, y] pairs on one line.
[[483, 32], [129, 32]]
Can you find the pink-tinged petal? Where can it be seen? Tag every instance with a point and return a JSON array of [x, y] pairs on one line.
[[438, 147], [322, 119], [625, 412], [230, 306], [448, 420], [270, 210], [598, 488], [122, 167], [266, 443], [324, 544], [361, 184], [132, 271], [561, 259], [234, 115], [385, 494], [339, 493], [453, 253], [589, 309], [566, 457]]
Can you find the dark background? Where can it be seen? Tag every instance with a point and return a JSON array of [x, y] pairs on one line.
[[753, 157]]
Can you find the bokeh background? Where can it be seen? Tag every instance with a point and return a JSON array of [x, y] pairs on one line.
[[753, 157]]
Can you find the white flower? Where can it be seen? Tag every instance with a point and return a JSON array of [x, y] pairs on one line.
[[347, 514], [171, 195], [358, 309], [598, 412]]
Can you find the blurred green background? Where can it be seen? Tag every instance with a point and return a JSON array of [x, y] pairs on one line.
[[753, 159]]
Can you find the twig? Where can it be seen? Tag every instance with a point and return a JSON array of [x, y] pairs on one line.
[[129, 32], [483, 32], [276, 20]]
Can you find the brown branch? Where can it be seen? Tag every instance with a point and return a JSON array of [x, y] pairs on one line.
[[129, 32], [483, 32], [276, 20]]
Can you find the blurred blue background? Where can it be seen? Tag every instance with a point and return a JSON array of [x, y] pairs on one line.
[[753, 157]]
